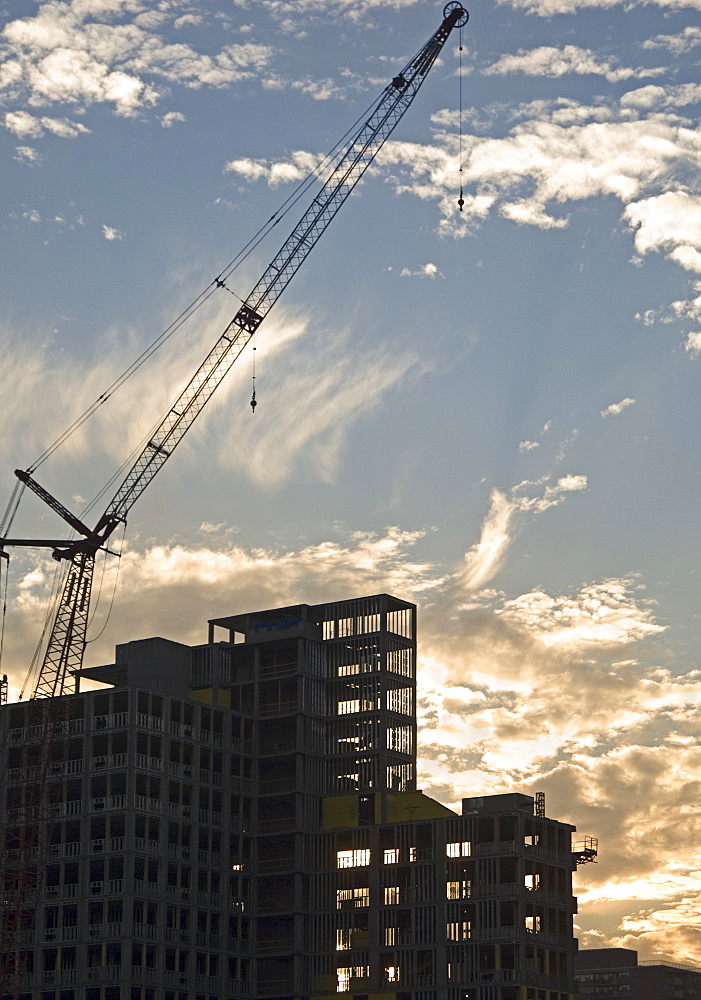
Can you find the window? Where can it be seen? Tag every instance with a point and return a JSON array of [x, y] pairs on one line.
[[533, 924], [343, 938], [391, 856], [399, 738], [459, 889], [358, 858], [459, 849], [350, 972], [352, 897], [391, 974], [458, 930], [391, 894]]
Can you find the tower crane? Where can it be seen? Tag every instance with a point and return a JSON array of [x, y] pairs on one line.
[[26, 845]]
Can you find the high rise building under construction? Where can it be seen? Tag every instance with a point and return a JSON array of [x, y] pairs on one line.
[[240, 819]]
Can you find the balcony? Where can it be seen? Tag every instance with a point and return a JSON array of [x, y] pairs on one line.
[[144, 721], [146, 763]]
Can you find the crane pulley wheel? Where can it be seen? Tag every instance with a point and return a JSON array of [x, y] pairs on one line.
[[454, 5]]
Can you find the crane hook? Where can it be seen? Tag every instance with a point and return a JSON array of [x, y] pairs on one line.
[[253, 400]]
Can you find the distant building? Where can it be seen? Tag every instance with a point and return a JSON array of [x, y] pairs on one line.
[[240, 819], [616, 974]]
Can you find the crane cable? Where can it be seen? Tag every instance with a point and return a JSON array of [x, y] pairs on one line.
[[461, 200], [3, 614], [114, 589], [60, 574]]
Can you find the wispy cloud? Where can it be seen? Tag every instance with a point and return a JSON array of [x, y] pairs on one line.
[[483, 561], [326, 388], [528, 445]]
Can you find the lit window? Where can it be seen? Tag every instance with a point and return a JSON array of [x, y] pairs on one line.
[[392, 974], [459, 889], [532, 881], [343, 939], [349, 898], [459, 849], [533, 924], [346, 974], [390, 936], [458, 930], [358, 858], [391, 856], [391, 895]]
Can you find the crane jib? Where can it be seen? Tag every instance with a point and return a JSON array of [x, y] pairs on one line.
[[67, 636]]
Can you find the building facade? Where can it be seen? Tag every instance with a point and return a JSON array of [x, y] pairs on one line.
[[616, 974], [241, 819]]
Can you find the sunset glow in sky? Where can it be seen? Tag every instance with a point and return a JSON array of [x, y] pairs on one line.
[[493, 413]]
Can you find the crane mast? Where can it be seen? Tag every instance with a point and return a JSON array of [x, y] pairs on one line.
[[24, 853]]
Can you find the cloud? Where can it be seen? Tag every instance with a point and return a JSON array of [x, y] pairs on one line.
[[25, 125], [528, 445], [425, 271], [327, 388], [70, 52], [548, 8], [546, 60], [670, 221], [299, 165], [551, 496], [483, 561], [171, 117], [27, 154], [110, 233], [615, 408], [605, 612], [680, 44], [172, 589], [319, 90], [693, 343], [655, 98]]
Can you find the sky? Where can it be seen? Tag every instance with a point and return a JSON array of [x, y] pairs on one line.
[[493, 412]]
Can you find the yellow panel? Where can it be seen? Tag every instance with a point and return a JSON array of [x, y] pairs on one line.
[[325, 983], [403, 807], [339, 811], [206, 696]]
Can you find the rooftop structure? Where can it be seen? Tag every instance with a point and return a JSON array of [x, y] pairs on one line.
[[616, 974]]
